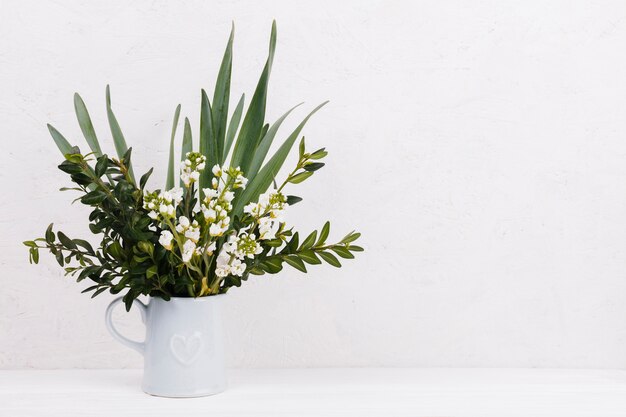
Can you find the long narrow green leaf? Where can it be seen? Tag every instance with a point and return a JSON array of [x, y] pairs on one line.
[[250, 133], [62, 143], [232, 128], [261, 182], [221, 95], [86, 126], [169, 182], [208, 144], [264, 145], [187, 142], [116, 132], [64, 146]]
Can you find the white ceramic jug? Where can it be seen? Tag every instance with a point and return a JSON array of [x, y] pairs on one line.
[[183, 350]]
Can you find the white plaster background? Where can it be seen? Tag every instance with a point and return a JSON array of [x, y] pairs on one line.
[[479, 146]]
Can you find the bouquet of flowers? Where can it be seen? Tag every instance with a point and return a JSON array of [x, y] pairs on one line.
[[222, 222]]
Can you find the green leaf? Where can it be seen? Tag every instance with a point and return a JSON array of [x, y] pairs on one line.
[[144, 178], [309, 257], [102, 165], [86, 125], [292, 199], [50, 234], [62, 143], [298, 178], [342, 251], [264, 145], [233, 126], [350, 237], [314, 166], [301, 148], [221, 97], [264, 178], [319, 154], [93, 197], [208, 144], [355, 248], [323, 234], [169, 181], [84, 244], [66, 241], [187, 143], [330, 259], [35, 255], [118, 138], [296, 262], [30, 243], [309, 241], [250, 133]]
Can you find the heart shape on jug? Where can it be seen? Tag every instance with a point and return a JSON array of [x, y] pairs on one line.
[[186, 349]]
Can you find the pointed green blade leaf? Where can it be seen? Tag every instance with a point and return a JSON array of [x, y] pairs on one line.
[[116, 132], [169, 182], [221, 96], [266, 175], [233, 126], [264, 145], [250, 133], [86, 126], [62, 143], [187, 143], [208, 143]]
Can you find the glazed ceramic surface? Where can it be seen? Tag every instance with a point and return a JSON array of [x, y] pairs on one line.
[[183, 349]]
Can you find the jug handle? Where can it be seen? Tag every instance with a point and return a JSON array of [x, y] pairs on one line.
[[138, 346]]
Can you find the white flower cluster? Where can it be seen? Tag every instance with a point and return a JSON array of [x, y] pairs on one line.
[[269, 213], [217, 202], [162, 205], [233, 253], [192, 165]]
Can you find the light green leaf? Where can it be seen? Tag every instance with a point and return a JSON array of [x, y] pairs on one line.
[[169, 182], [232, 128], [250, 133], [266, 175], [62, 143], [264, 145], [86, 126], [116, 132], [298, 178]]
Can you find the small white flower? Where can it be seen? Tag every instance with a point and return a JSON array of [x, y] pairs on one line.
[[217, 171], [211, 248], [166, 239], [188, 250], [153, 215], [183, 221]]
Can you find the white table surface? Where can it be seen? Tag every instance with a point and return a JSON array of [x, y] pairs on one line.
[[326, 392]]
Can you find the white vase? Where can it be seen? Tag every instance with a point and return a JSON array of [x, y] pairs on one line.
[[183, 349]]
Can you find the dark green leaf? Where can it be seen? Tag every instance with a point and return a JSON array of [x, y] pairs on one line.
[[221, 97], [66, 241], [102, 165], [93, 197], [250, 133], [292, 199], [144, 178], [314, 166]]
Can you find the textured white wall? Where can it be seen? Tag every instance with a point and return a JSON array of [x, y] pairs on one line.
[[479, 146]]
